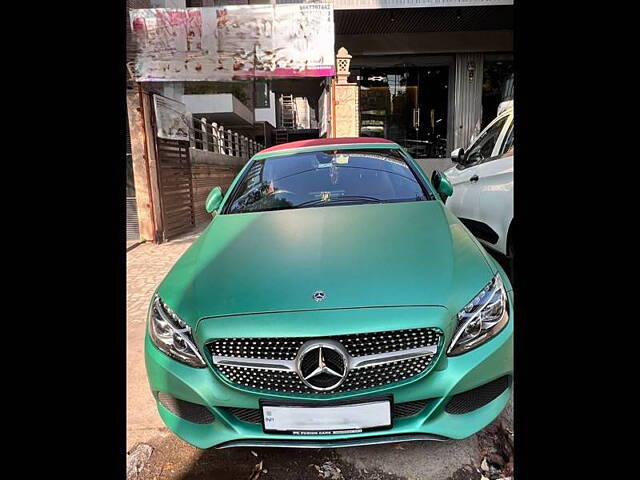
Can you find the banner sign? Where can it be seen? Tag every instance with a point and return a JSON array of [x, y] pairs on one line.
[[239, 41], [171, 119], [366, 4]]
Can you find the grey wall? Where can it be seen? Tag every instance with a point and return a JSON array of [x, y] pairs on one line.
[[212, 158]]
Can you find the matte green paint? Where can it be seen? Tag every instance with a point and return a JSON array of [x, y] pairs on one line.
[[445, 188], [274, 261], [382, 267], [214, 199]]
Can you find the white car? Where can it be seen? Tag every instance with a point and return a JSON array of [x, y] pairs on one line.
[[482, 180]]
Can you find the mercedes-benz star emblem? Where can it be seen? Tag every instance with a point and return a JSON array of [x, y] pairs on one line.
[[322, 364], [319, 296]]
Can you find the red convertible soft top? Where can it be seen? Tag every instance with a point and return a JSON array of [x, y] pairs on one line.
[[319, 142]]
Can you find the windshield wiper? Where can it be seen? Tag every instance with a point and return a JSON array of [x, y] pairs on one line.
[[358, 198], [341, 199]]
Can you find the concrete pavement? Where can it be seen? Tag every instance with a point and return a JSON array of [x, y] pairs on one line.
[[147, 264]]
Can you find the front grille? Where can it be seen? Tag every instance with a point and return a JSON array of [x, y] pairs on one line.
[[367, 377], [478, 397], [191, 412], [250, 415], [357, 345], [400, 410]]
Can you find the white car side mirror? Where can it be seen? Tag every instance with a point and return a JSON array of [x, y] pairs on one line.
[[457, 155]]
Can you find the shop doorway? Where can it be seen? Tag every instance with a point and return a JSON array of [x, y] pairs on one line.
[[408, 105]]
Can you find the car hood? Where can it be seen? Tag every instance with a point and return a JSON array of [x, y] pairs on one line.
[[397, 254]]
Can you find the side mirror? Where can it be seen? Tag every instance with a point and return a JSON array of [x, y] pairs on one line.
[[457, 155], [442, 185], [213, 200]]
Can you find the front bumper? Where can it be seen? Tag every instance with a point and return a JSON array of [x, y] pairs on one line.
[[450, 376]]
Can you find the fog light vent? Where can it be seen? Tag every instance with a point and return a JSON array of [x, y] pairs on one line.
[[251, 415], [192, 412], [478, 397], [408, 409]]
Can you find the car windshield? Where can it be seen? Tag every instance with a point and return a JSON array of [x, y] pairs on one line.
[[321, 179]]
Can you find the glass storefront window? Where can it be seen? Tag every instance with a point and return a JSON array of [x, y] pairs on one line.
[[497, 86], [261, 96], [408, 105]]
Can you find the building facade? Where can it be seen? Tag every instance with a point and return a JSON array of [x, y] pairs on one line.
[[427, 74], [430, 74]]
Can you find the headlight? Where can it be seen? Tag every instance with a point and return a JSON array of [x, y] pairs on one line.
[[481, 319], [171, 335]]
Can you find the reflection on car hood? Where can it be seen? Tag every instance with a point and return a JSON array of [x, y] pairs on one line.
[[413, 253]]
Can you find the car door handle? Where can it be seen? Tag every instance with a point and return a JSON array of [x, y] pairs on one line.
[[474, 178]]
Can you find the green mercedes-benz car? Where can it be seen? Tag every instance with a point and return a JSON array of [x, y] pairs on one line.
[[332, 301]]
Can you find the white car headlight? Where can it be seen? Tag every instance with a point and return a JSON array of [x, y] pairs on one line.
[[483, 318], [171, 335]]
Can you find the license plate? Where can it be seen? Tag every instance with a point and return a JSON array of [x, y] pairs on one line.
[[344, 418]]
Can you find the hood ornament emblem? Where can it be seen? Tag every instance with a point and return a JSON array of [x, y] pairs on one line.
[[319, 296]]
